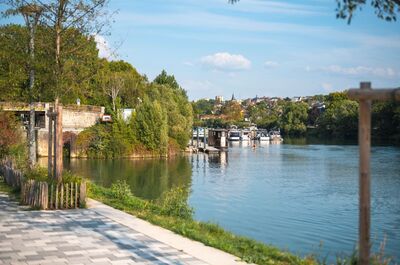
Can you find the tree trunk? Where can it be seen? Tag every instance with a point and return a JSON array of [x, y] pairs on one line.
[[31, 130]]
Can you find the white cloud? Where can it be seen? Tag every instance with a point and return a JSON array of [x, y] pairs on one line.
[[103, 47], [225, 61], [362, 70], [271, 64]]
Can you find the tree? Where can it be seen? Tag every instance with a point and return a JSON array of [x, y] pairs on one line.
[[10, 133], [151, 127], [294, 118], [339, 119], [173, 99], [81, 69], [384, 9], [67, 19], [233, 110]]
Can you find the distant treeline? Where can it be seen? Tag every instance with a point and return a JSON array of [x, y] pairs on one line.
[[162, 117], [333, 115]]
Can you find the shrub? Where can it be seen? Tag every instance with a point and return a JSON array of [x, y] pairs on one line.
[[121, 190], [175, 203]]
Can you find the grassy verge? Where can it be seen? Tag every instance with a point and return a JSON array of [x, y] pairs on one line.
[[210, 234]]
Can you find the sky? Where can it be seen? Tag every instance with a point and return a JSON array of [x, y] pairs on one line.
[[254, 47]]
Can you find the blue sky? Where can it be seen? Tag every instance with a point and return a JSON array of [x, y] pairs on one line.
[[255, 47]]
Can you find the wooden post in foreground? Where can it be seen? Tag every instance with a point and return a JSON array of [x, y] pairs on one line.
[[58, 151], [365, 95], [364, 142], [50, 143]]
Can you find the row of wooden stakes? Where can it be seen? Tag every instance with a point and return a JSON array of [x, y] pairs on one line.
[[53, 196]]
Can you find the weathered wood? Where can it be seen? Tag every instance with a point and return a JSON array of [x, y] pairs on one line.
[[55, 149], [66, 195], [50, 145], [72, 195], [76, 195], [56, 200], [51, 196], [364, 141], [374, 94], [82, 194], [61, 196], [59, 144]]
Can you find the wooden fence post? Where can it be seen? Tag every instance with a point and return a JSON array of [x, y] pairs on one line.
[[50, 143], [82, 194], [364, 138]]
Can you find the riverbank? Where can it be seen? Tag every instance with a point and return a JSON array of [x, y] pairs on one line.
[[207, 233], [99, 234]]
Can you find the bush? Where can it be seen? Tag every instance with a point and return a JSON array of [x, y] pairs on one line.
[[175, 203], [10, 136], [121, 190]]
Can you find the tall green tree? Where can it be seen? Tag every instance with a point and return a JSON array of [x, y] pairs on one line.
[[174, 100], [294, 118], [151, 126]]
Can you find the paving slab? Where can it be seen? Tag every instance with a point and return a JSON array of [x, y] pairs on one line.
[[97, 235]]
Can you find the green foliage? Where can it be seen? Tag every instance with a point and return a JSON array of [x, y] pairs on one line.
[[203, 106], [339, 119], [11, 143], [384, 9], [37, 173], [386, 120], [121, 190], [150, 126], [233, 110], [173, 99], [175, 203], [264, 115], [294, 118], [79, 67], [168, 80]]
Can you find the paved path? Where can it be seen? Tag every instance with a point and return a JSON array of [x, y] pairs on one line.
[[98, 235]]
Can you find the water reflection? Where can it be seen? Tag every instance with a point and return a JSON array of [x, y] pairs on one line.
[[291, 195], [148, 178]]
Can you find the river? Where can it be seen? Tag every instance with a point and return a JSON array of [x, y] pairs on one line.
[[300, 197]]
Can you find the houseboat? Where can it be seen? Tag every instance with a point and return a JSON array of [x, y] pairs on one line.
[[275, 136], [234, 135], [263, 135]]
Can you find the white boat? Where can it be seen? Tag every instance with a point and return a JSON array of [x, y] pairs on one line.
[[263, 136], [245, 135], [234, 135], [275, 136]]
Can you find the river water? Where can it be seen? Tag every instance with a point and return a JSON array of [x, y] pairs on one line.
[[299, 197]]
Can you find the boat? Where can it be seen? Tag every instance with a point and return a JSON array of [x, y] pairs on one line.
[[275, 136], [234, 135], [245, 135], [263, 136]]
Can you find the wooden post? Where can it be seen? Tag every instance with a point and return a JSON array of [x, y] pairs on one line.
[[50, 144], [76, 195], [82, 194], [55, 136], [59, 145], [66, 195], [56, 199], [51, 196], [364, 141], [61, 196], [72, 195]]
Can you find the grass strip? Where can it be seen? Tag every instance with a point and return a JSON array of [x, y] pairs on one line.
[[209, 234]]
